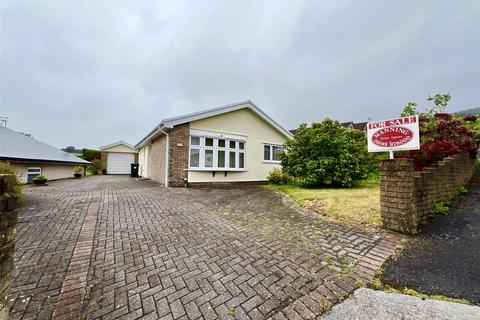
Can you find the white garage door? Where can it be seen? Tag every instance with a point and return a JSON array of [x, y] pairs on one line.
[[119, 163]]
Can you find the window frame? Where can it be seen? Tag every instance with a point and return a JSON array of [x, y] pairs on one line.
[[271, 145], [215, 148], [35, 174]]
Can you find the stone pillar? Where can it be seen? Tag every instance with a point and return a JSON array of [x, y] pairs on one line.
[[8, 220], [178, 155], [397, 195]]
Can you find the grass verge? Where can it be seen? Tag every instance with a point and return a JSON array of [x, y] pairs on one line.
[[359, 205]]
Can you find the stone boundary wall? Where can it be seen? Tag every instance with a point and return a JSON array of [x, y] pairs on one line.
[[8, 218], [408, 198]]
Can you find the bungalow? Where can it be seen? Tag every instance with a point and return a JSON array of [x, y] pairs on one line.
[[31, 157], [237, 143]]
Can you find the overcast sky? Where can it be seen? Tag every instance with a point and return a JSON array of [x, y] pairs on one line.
[[88, 73]]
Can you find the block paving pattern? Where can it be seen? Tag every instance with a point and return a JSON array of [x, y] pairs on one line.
[[158, 253]]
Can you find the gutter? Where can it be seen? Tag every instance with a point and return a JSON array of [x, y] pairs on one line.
[[28, 160], [149, 136], [154, 133]]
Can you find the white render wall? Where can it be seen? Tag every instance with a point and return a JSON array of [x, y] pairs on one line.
[[143, 156], [51, 171], [257, 132]]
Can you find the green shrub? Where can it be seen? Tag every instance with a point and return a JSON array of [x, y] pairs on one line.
[[78, 169], [90, 154], [372, 164], [8, 168], [40, 177], [326, 154], [462, 190], [95, 167], [440, 208], [277, 176]]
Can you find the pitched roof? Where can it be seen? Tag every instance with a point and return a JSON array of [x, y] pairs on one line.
[[118, 143], [171, 122], [18, 146], [348, 124], [360, 126]]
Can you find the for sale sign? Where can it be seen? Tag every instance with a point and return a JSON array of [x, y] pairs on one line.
[[394, 134]]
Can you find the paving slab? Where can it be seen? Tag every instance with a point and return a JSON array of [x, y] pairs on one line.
[[368, 304], [114, 247]]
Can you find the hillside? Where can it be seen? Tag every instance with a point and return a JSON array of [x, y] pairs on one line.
[[468, 111]]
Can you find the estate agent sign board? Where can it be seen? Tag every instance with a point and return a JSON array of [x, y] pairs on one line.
[[393, 134]]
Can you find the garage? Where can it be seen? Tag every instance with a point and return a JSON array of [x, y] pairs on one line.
[[117, 157], [119, 163]]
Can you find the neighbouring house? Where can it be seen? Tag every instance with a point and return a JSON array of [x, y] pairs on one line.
[[237, 143], [348, 125], [361, 126], [31, 157], [117, 157]]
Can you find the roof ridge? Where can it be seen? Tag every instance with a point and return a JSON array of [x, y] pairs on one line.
[[173, 121]]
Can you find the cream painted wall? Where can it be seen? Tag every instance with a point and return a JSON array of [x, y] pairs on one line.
[[120, 148], [257, 131], [51, 171], [143, 156]]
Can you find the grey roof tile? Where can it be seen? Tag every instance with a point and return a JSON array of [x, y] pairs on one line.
[[16, 145]]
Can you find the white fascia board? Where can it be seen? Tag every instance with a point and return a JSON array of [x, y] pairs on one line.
[[117, 144], [170, 123], [217, 134]]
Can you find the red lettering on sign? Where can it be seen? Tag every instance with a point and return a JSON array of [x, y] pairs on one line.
[[392, 122]]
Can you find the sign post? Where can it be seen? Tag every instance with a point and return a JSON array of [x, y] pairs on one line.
[[398, 134]]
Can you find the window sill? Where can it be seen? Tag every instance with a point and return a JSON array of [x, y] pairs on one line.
[[216, 170], [272, 161]]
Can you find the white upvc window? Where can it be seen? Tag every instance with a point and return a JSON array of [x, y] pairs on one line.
[[216, 153], [32, 173], [271, 152]]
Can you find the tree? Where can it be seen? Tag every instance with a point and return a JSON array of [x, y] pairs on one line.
[[441, 134], [326, 154]]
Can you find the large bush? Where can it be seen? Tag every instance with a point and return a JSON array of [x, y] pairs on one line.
[[442, 134], [90, 154], [8, 168], [326, 154]]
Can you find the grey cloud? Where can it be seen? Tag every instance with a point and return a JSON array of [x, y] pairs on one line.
[[90, 73]]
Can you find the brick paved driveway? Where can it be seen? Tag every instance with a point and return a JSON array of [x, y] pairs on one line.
[[113, 247]]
